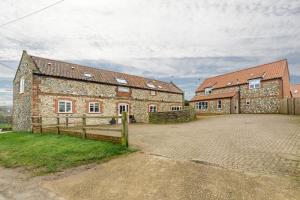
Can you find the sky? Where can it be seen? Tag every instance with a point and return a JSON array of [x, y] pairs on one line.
[[184, 41]]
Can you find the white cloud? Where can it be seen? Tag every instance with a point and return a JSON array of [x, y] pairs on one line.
[[160, 38]]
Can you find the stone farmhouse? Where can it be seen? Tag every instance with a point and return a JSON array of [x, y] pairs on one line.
[[254, 90], [45, 87]]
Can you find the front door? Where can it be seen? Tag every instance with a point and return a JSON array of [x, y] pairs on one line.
[[122, 107]]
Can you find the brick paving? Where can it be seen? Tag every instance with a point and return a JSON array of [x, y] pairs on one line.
[[266, 144]]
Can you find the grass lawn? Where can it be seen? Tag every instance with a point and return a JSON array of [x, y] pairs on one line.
[[5, 126], [45, 153]]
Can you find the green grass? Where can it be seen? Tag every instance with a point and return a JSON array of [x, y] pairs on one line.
[[5, 126], [46, 153]]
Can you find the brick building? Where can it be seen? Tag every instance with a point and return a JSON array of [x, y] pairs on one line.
[[254, 90], [49, 88]]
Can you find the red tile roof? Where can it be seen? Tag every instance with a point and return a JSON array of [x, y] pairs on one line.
[[73, 71], [265, 71], [295, 90], [214, 96]]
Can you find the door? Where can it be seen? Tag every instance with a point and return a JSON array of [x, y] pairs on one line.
[[122, 107]]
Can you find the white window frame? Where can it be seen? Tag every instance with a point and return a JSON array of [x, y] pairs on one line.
[[254, 84], [65, 109], [152, 108], [93, 104], [150, 85], [121, 81], [176, 108], [22, 85], [201, 105], [123, 89], [219, 104], [208, 91], [153, 93]]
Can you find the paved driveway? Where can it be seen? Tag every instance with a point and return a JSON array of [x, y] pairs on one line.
[[266, 144]]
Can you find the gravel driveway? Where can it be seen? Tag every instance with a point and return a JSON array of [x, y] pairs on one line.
[[265, 144]]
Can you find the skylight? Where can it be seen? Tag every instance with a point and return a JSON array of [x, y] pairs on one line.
[[88, 75], [121, 81], [150, 85], [159, 86]]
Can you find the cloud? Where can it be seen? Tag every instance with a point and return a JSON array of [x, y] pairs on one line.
[[184, 40]]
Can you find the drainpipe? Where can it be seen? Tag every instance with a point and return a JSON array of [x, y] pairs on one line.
[[239, 99]]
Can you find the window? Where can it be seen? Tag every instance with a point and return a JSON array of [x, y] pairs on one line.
[[123, 89], [247, 102], [22, 85], [254, 84], [94, 107], [219, 104], [150, 85], [202, 105], [65, 106], [152, 108], [153, 93], [208, 91], [121, 81], [176, 108], [87, 75]]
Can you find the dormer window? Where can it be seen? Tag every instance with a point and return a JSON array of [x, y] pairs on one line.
[[254, 84], [208, 91], [121, 80], [87, 75], [150, 85]]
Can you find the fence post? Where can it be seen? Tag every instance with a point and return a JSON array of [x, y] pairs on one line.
[[41, 124], [83, 126], [124, 137], [57, 122]]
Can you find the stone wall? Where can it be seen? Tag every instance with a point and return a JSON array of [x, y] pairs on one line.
[[22, 103], [80, 93], [266, 99], [172, 116]]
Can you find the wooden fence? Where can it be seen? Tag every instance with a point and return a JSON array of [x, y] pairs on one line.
[[290, 106], [79, 127]]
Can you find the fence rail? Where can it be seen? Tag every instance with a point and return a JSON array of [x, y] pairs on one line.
[[79, 129]]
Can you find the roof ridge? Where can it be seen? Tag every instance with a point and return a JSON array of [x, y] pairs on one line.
[[246, 69], [151, 79]]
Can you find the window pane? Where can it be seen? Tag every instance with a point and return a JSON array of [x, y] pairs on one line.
[[68, 107], [62, 107], [91, 107], [123, 89], [96, 108]]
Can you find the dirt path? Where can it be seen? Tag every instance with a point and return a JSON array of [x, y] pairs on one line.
[[141, 176], [17, 184]]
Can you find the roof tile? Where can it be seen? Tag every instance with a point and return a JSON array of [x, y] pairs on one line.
[[74, 71], [265, 71]]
